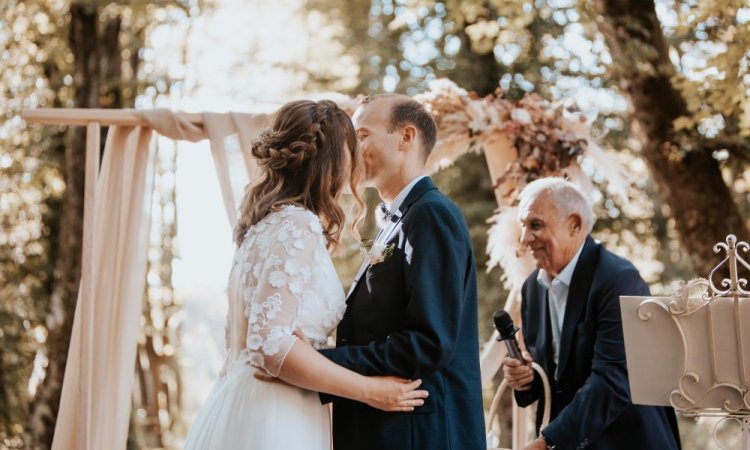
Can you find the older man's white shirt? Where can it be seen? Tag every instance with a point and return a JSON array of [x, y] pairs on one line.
[[557, 299]]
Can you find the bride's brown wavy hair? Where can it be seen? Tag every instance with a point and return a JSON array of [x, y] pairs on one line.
[[302, 158]]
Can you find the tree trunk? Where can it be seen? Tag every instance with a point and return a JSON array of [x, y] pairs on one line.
[[476, 72], [67, 272], [689, 180]]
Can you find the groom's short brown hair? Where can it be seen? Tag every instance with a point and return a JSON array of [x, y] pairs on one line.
[[407, 111]]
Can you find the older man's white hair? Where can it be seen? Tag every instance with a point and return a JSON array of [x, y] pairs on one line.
[[564, 195]]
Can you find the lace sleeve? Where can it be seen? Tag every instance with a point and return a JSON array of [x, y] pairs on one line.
[[274, 289]]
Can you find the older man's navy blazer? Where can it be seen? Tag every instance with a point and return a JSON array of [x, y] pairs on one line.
[[414, 315], [591, 405]]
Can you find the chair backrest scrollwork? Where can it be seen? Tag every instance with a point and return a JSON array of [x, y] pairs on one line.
[[690, 350]]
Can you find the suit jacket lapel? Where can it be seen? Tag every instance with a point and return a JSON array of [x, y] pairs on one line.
[[419, 189], [578, 295], [544, 332], [422, 186], [355, 282], [361, 270], [365, 265]]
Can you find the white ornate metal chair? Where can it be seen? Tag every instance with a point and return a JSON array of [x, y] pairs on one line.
[[692, 350]]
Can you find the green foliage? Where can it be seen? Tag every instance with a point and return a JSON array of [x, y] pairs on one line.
[[709, 41], [401, 46], [36, 70], [31, 187]]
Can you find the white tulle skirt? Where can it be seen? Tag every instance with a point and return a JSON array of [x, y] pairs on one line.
[[243, 413]]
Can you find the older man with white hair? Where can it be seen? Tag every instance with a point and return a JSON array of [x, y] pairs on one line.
[[572, 328]]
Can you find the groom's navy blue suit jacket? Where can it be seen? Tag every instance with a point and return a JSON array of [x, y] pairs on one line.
[[414, 315], [591, 405]]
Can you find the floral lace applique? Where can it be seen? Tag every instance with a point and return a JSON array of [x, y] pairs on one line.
[[287, 282]]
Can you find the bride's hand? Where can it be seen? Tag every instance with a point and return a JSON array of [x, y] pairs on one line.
[[393, 394]]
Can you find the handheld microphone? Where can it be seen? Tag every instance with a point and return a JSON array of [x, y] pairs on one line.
[[506, 329]]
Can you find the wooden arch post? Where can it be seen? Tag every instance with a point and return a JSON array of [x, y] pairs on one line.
[[499, 152], [93, 149]]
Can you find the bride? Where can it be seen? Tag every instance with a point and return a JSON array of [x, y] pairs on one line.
[[282, 284]]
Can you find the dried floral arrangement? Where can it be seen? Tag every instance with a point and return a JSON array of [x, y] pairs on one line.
[[546, 137]]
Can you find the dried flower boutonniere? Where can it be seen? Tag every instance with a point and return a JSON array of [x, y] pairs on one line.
[[376, 252]]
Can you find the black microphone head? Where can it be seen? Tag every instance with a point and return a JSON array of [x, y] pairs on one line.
[[504, 325]]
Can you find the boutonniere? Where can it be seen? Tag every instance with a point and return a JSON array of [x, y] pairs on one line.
[[375, 253]]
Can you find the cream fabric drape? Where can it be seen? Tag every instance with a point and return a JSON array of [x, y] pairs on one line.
[[101, 358], [104, 376], [228, 133]]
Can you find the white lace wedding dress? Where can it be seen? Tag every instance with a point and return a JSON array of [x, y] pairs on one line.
[[282, 279]]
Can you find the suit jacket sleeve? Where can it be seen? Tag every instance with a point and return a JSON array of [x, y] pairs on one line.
[[606, 393], [437, 254]]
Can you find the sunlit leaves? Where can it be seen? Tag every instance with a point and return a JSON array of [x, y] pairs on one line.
[[710, 45], [30, 51], [36, 70]]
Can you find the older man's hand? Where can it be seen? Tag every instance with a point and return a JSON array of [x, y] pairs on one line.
[[519, 375]]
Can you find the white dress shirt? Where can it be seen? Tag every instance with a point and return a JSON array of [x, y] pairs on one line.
[[557, 299]]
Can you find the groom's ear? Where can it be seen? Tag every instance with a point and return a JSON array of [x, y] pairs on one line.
[[408, 136]]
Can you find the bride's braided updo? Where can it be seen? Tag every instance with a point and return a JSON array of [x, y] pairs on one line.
[[303, 159], [280, 149]]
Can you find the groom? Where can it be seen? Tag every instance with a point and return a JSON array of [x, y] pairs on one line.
[[412, 309]]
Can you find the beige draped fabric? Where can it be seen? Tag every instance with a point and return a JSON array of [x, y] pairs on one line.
[[225, 131], [96, 396], [99, 370]]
